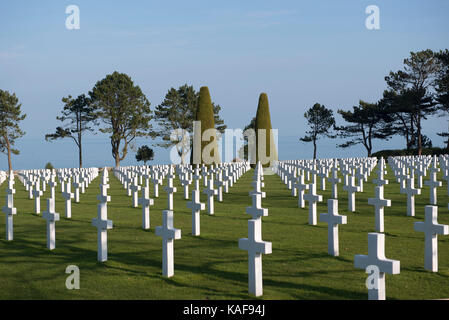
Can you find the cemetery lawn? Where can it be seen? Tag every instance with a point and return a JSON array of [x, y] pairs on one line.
[[212, 266]]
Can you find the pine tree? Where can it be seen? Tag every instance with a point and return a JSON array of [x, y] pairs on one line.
[[175, 116], [10, 116], [124, 109], [263, 121], [80, 117], [321, 122]]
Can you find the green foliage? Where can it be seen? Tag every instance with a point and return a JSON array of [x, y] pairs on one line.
[[175, 116], [205, 114], [321, 121], [410, 98], [49, 166], [442, 89], [124, 110], [410, 152], [144, 154], [368, 121], [442, 80], [10, 116], [243, 152], [263, 121], [80, 115]]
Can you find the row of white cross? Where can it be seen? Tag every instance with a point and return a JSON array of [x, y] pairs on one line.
[[3, 176], [254, 243], [31, 179], [293, 173], [131, 176], [222, 177], [35, 182]]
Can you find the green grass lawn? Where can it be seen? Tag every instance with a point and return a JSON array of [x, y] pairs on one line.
[[212, 266]]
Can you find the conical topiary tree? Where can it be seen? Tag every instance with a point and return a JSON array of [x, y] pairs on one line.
[[205, 115], [263, 121]]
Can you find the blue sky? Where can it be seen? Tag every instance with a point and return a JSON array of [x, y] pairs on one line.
[[297, 52]]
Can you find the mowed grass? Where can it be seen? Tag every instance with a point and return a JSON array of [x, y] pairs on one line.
[[212, 266]]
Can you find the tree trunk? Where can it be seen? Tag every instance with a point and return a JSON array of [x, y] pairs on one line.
[[314, 149], [418, 128], [116, 151], [80, 150], [182, 158], [8, 146], [407, 136], [370, 142], [412, 133]]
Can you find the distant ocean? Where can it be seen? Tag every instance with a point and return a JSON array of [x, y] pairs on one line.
[[36, 152]]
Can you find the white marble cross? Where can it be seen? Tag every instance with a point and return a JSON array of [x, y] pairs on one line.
[[376, 257], [345, 172], [52, 184], [68, 196], [334, 180], [301, 187], [156, 181], [322, 174], [196, 207], [446, 177], [196, 179], [51, 216], [312, 198], [402, 177], [359, 175], [433, 184], [314, 171], [431, 230], [170, 190], [128, 181], [220, 184], [257, 184], [185, 182], [37, 196], [255, 247], [83, 181], [168, 234], [256, 210], [227, 180], [420, 173], [293, 177], [77, 185], [102, 224], [135, 188], [30, 184], [146, 202], [146, 177], [205, 174], [411, 192], [351, 188], [210, 192], [9, 211], [379, 203], [380, 181], [62, 182], [43, 179], [333, 219]]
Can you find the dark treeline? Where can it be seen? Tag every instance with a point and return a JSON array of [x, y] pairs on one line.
[[419, 90]]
